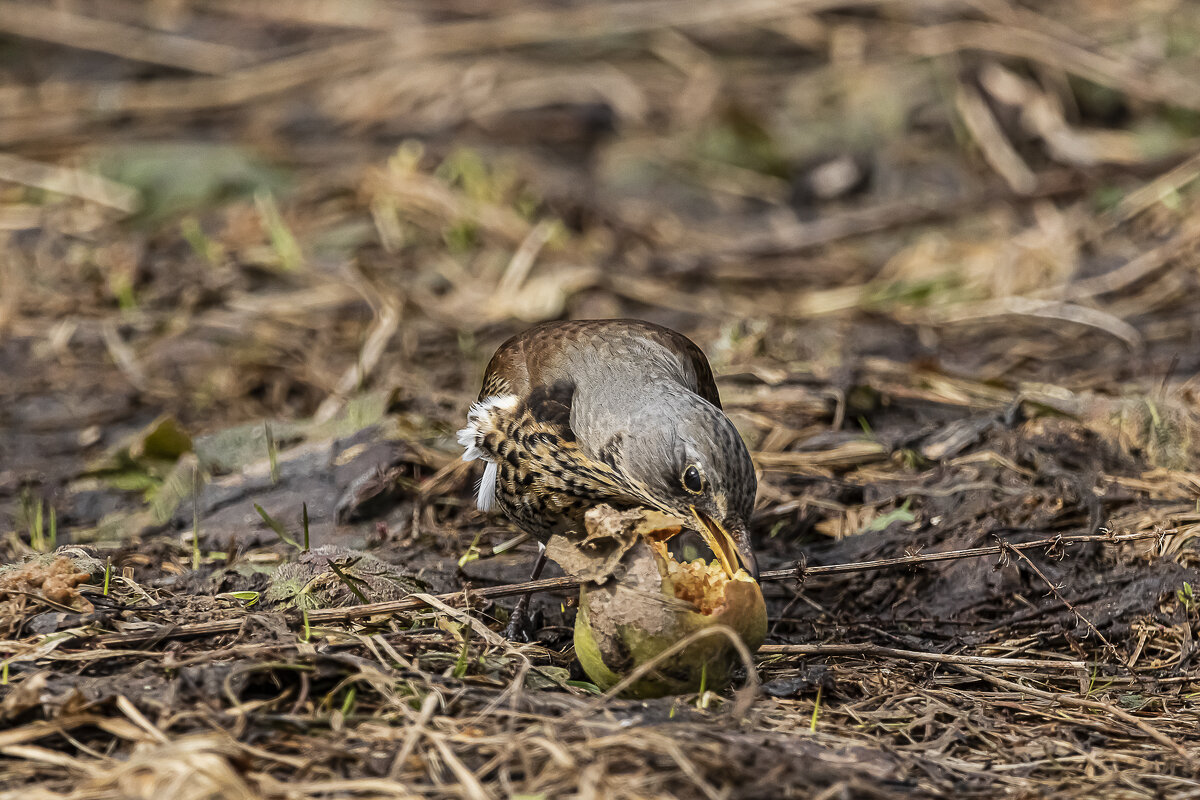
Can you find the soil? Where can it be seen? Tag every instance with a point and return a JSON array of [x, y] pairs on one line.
[[253, 260]]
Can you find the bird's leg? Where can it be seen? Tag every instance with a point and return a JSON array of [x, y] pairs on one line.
[[518, 627]]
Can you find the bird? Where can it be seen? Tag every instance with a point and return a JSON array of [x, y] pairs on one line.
[[624, 412]]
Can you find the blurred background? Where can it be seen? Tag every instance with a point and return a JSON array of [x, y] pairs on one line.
[[326, 215]]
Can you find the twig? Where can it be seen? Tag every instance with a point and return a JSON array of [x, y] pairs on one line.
[[950, 555], [425, 43], [139, 719], [89, 102], [59, 26], [1079, 702], [415, 729], [1124, 74], [524, 258], [1152, 192], [1108, 646], [845, 455], [324, 616], [384, 327], [1136, 269], [797, 236], [993, 144], [492, 638], [591, 21], [469, 784], [72, 182], [329, 615], [123, 356], [869, 649], [1045, 309]]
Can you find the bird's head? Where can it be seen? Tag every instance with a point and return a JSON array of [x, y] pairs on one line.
[[687, 459]]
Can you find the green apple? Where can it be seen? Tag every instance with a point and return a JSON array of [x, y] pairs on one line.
[[652, 602]]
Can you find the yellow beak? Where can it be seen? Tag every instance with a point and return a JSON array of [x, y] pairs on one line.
[[732, 554]]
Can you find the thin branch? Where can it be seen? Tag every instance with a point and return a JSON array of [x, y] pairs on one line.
[[800, 572], [72, 182], [1044, 309], [1108, 646], [1080, 702], [997, 150], [1127, 75], [59, 26], [868, 649]]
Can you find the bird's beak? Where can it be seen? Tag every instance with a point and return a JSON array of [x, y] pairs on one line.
[[731, 546]]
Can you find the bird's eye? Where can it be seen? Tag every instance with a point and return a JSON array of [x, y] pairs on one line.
[[692, 480]]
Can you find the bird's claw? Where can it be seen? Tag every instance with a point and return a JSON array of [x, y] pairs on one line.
[[522, 626]]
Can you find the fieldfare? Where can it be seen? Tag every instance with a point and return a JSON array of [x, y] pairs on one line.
[[624, 412]]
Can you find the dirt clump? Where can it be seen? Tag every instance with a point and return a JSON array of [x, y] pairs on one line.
[[58, 581]]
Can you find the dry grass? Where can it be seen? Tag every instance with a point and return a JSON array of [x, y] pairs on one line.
[[943, 255]]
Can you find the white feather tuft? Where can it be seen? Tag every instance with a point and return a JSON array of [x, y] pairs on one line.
[[466, 438], [471, 439], [486, 499], [471, 436]]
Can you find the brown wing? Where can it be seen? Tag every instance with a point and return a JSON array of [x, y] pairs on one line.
[[541, 355]]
